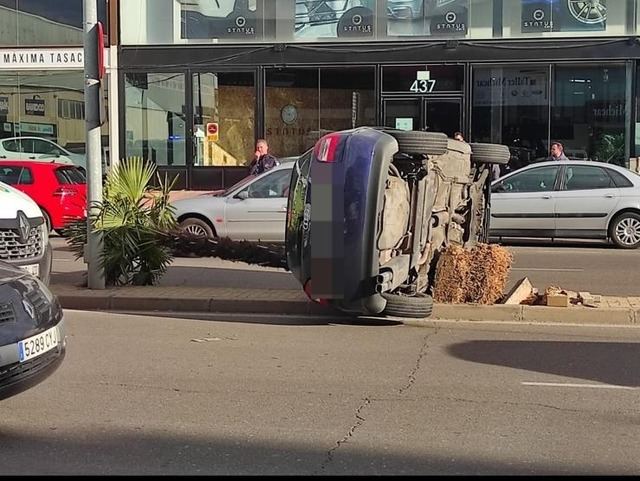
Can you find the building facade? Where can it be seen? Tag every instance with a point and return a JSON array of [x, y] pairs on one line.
[[41, 76]]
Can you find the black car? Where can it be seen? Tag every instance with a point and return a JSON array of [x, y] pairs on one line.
[[32, 339], [371, 209]]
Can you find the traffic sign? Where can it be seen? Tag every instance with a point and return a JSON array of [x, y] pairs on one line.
[[212, 131]]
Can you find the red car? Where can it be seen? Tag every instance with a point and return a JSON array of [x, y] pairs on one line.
[[59, 189]]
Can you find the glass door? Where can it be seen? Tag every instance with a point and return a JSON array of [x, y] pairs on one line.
[[435, 114]]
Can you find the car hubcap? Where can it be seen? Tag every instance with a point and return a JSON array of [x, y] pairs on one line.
[[628, 231], [195, 230]]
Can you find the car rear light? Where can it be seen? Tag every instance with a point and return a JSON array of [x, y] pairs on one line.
[[62, 191], [326, 147], [307, 291]]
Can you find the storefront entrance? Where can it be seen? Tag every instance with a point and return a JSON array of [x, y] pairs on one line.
[[434, 114]]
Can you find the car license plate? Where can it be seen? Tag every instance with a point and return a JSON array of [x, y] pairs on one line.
[[33, 269], [38, 344]]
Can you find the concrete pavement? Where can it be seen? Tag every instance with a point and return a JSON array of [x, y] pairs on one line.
[[191, 285]]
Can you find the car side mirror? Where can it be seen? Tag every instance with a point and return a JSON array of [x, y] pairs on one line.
[[242, 195]]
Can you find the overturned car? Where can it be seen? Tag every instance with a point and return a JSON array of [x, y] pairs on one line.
[[370, 210]]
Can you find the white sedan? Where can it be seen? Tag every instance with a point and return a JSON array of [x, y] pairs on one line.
[[254, 209], [568, 200]]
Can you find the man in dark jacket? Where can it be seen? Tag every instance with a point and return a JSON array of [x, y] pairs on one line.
[[263, 160]]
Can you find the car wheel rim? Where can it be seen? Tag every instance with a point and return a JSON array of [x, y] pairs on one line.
[[195, 230], [628, 231]]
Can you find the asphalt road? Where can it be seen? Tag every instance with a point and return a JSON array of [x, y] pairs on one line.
[[301, 396], [596, 268]]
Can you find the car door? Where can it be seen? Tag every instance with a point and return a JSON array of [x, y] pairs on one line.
[[258, 211], [13, 149], [586, 199], [523, 205]]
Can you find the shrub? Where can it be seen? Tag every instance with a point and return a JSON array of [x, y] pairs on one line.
[[133, 218]]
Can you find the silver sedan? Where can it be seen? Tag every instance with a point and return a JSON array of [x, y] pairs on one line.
[[568, 200], [254, 209]]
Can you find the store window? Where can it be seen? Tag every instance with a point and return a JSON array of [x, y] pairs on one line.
[[588, 113], [304, 104], [511, 106], [48, 108], [226, 103], [565, 18], [44, 22], [155, 121]]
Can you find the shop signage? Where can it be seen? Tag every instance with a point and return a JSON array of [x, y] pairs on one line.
[[563, 15], [219, 19], [34, 107], [356, 22], [509, 87], [451, 22], [212, 131], [41, 58], [4, 105], [35, 128]]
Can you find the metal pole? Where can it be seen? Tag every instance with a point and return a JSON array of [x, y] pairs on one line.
[[95, 275]]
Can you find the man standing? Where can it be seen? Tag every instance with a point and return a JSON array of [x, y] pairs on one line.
[[557, 152], [263, 160]]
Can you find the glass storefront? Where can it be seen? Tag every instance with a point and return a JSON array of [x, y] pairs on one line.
[[45, 109], [587, 111], [248, 21], [301, 105], [155, 117], [44, 22], [226, 100]]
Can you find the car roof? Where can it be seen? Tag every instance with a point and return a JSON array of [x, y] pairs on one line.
[[31, 163], [576, 162]]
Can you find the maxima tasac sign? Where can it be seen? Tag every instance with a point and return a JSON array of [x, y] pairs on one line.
[[41, 58]]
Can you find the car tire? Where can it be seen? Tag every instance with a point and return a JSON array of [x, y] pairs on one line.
[[197, 227], [489, 153], [416, 142], [625, 230], [415, 307]]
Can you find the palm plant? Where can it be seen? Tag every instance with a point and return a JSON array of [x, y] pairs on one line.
[[133, 223]]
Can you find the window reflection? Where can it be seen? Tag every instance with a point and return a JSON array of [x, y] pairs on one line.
[[154, 118]]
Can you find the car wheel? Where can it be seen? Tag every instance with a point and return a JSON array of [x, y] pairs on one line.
[[625, 230], [417, 142], [197, 227], [418, 306], [489, 153]]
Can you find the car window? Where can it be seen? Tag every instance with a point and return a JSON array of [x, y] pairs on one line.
[[619, 179], [583, 177], [44, 147], [275, 184], [70, 175], [11, 145], [25, 176], [10, 174], [540, 179]]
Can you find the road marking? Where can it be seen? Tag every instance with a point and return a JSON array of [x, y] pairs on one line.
[[545, 269], [591, 386]]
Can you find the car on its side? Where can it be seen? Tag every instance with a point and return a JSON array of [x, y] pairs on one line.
[[24, 236], [371, 209], [253, 209], [60, 190], [568, 199], [39, 148], [32, 335]]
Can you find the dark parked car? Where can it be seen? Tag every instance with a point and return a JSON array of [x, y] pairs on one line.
[[384, 204], [32, 339]]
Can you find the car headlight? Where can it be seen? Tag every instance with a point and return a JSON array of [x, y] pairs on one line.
[[44, 236]]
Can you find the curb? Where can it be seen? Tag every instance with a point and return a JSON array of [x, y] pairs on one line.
[[121, 301]]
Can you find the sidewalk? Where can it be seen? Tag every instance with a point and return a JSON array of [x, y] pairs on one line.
[[191, 286]]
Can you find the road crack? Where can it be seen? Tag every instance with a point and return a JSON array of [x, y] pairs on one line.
[[421, 355]]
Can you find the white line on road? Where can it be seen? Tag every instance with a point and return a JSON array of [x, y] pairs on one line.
[[545, 269], [591, 386]]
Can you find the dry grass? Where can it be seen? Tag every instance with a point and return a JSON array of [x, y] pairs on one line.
[[476, 276]]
